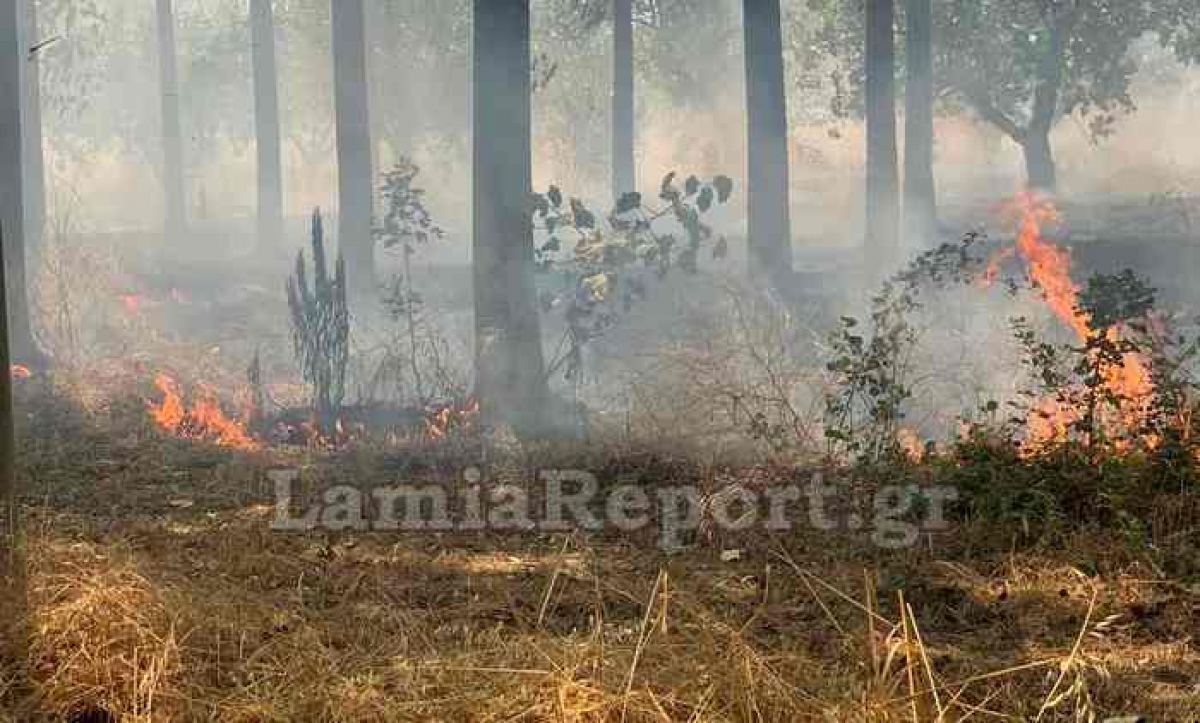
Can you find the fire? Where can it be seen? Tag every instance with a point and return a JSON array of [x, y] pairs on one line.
[[1049, 267], [131, 302], [203, 421], [441, 422], [20, 371]]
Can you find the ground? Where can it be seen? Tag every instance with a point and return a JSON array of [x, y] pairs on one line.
[[157, 591]]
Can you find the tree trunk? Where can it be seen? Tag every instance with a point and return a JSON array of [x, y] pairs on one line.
[[920, 194], [35, 170], [266, 121], [623, 164], [12, 188], [8, 484], [355, 183], [1039, 158], [769, 225], [882, 173], [509, 368], [1039, 162], [172, 134]]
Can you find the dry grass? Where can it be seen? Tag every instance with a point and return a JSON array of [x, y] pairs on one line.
[[161, 611]]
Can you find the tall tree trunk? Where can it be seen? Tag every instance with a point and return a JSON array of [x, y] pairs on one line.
[[172, 133], [8, 484], [920, 194], [883, 205], [266, 122], [355, 183], [623, 164], [35, 169], [770, 235], [509, 367], [12, 187]]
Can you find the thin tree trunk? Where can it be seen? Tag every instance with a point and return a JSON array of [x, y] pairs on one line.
[[920, 194], [266, 121], [355, 184], [769, 225], [35, 170], [623, 163], [509, 367], [172, 134], [882, 173], [12, 187]]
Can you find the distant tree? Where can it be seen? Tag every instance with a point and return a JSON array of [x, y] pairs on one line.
[[355, 182], [882, 172], [509, 366], [172, 133], [624, 172], [266, 119], [1023, 64], [12, 188], [770, 235], [920, 194]]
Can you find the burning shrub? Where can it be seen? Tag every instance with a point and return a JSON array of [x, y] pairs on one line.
[[321, 328], [870, 367]]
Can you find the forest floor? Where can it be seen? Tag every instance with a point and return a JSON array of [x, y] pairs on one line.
[[156, 591]]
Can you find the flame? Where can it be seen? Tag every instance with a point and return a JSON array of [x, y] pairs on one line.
[[131, 302], [1049, 268], [910, 444], [441, 422], [20, 371], [204, 420]]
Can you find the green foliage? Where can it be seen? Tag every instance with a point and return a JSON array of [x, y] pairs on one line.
[[994, 54], [870, 361], [609, 267], [415, 362], [406, 224], [321, 328]]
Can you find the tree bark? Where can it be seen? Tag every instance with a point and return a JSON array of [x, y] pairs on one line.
[[35, 168], [882, 173], [266, 122], [769, 224], [920, 193], [1039, 157], [172, 133], [8, 483], [509, 367], [1040, 168], [624, 166], [12, 187], [355, 182]]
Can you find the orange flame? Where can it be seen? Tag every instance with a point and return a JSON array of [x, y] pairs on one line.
[[131, 302], [20, 371], [204, 421], [1049, 267]]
